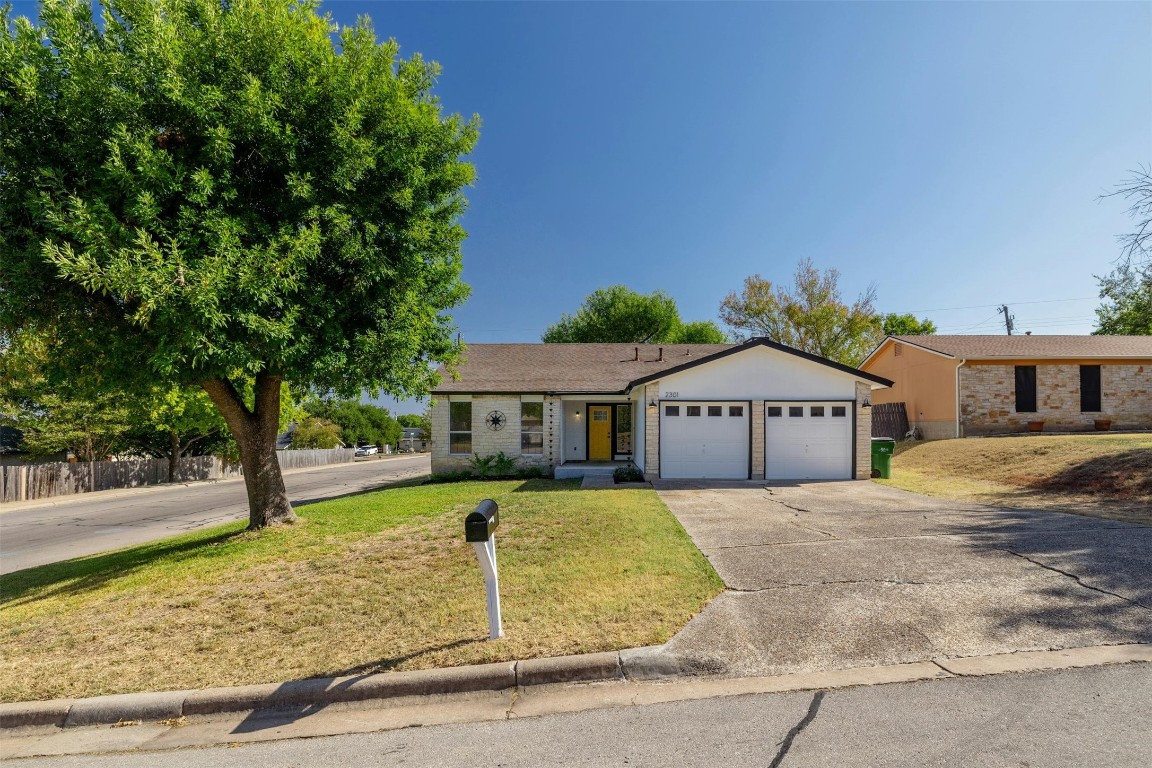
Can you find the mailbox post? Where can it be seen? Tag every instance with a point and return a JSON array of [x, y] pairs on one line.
[[479, 527]]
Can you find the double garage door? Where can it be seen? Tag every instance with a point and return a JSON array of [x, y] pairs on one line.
[[711, 440]]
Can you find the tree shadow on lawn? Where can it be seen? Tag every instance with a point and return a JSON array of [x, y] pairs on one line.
[[1119, 475], [91, 572], [297, 699], [1101, 569]]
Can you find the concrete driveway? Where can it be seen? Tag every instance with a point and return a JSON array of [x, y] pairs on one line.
[[845, 574]]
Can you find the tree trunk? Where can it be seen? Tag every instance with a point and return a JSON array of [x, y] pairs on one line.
[[255, 431], [173, 455]]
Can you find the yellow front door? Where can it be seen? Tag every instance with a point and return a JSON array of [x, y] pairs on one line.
[[599, 433]]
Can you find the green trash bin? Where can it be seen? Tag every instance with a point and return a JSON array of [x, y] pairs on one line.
[[882, 450]]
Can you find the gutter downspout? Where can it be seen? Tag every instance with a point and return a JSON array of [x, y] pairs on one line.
[[959, 365]]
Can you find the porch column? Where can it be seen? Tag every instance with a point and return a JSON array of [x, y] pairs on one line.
[[652, 431]]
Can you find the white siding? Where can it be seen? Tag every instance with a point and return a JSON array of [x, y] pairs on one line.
[[759, 373]]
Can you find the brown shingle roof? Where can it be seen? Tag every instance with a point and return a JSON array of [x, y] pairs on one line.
[[592, 368], [584, 368], [1035, 346]]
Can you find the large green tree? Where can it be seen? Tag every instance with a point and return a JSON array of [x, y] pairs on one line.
[[359, 423], [197, 192], [906, 325], [1127, 307], [617, 314], [810, 316]]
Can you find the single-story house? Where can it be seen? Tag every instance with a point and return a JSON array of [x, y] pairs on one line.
[[732, 411], [956, 386]]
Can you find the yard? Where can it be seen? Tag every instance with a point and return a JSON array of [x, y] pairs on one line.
[[1097, 474], [381, 581]]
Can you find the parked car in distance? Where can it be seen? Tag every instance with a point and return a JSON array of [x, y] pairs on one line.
[[367, 450]]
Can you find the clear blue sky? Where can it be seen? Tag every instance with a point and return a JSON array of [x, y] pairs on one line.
[[950, 153]]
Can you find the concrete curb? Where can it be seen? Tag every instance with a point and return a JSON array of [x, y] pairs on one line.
[[162, 705], [629, 665]]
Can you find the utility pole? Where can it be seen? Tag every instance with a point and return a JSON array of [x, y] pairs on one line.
[[1008, 324]]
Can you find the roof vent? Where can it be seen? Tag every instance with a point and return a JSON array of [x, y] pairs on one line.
[[637, 357], [660, 359]]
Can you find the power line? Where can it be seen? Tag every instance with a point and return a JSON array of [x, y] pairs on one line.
[[990, 306]]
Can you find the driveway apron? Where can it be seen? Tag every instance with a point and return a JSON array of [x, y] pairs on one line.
[[845, 574]]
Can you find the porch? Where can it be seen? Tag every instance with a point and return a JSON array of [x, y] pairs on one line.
[[577, 469]]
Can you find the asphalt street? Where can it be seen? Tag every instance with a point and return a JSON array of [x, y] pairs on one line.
[[36, 534], [1087, 717]]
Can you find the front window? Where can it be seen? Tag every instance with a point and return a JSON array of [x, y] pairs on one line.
[[624, 429], [1090, 388], [460, 428], [1025, 389], [532, 429]]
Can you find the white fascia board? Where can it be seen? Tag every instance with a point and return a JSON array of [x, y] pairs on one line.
[[909, 343]]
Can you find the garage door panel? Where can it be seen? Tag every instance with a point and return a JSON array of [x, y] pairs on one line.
[[801, 446], [704, 447]]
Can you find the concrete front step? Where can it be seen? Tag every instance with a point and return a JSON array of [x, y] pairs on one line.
[[574, 471]]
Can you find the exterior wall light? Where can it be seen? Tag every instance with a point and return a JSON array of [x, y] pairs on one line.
[[866, 404]]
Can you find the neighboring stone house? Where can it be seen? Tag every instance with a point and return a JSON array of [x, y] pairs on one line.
[[956, 386], [732, 411]]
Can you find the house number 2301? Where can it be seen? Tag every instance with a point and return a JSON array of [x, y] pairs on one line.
[[671, 394]]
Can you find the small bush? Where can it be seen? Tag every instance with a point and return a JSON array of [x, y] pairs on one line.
[[496, 465], [451, 477], [628, 475]]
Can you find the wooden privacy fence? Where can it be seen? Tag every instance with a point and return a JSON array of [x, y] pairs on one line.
[[26, 482], [889, 420]]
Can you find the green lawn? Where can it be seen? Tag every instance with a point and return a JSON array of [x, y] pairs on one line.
[[366, 583], [1096, 474]]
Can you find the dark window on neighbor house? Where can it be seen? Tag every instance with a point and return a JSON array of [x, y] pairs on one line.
[[460, 428], [1026, 389], [775, 410], [693, 410], [671, 410], [715, 410], [839, 410], [817, 410], [795, 410], [735, 410], [1090, 388]]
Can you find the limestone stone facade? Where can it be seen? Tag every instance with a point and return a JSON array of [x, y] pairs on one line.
[[486, 441], [758, 468], [988, 398], [652, 433], [863, 432]]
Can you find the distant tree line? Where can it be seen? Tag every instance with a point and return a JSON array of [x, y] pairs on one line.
[[809, 315]]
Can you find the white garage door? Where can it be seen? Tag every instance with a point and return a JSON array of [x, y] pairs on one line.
[[808, 441], [704, 440]]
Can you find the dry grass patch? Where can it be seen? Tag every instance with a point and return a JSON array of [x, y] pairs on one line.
[[382, 581], [1100, 475]]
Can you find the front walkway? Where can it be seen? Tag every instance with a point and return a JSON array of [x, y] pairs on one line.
[[846, 574]]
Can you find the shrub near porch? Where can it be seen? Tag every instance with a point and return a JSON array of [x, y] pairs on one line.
[[382, 581]]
